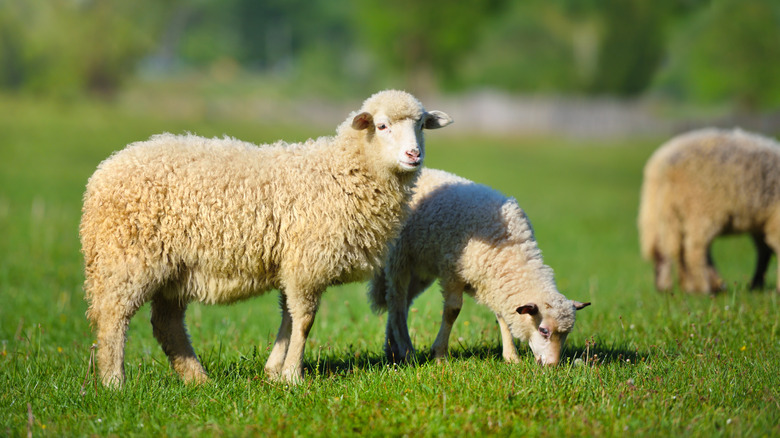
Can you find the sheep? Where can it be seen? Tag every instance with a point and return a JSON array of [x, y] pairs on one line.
[[177, 219], [472, 239], [703, 184]]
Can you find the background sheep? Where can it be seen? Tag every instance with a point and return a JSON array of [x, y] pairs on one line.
[[473, 239], [183, 218], [703, 184]]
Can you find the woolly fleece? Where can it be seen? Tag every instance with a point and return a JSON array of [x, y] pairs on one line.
[[473, 239], [183, 218], [703, 184]]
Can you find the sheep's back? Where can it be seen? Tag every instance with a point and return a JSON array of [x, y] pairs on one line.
[[456, 224], [225, 210], [728, 175]]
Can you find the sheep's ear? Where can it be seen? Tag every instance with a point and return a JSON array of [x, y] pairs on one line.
[[436, 119], [362, 121], [579, 306], [528, 309]]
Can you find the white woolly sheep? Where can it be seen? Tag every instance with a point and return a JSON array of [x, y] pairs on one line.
[[473, 239], [182, 218], [703, 184]]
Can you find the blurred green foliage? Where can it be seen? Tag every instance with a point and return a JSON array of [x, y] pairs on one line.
[[699, 51]]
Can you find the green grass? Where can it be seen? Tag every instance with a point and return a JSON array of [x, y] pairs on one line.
[[637, 363]]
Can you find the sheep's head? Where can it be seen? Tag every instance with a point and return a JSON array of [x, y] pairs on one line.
[[545, 326], [394, 121]]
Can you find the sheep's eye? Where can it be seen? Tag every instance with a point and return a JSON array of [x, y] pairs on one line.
[[381, 126], [544, 331]]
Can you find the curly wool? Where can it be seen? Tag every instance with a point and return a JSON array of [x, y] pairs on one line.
[[183, 218], [471, 238], [223, 217]]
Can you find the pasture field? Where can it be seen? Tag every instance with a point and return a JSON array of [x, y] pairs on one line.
[[638, 363]]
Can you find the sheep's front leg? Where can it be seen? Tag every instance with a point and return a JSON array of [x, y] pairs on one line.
[[697, 273], [764, 254], [275, 362], [302, 310], [453, 301], [509, 350]]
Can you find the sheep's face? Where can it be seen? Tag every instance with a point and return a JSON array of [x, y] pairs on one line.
[[400, 141], [394, 121], [546, 328]]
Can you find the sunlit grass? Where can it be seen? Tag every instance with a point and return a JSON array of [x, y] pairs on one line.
[[637, 363]]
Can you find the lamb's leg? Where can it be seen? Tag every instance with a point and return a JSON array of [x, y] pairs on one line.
[[169, 330], [398, 343], [302, 308], [762, 262], [453, 302], [507, 341], [275, 362]]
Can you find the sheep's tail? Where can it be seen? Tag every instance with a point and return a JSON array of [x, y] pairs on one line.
[[377, 292], [647, 221]]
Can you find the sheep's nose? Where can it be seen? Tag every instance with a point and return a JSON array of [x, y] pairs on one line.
[[545, 361], [413, 153]]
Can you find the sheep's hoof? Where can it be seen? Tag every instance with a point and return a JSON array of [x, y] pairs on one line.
[[113, 382], [440, 357], [292, 376], [196, 379], [273, 374], [512, 359]]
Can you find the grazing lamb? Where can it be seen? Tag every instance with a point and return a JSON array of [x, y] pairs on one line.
[[182, 218], [700, 185], [473, 239]]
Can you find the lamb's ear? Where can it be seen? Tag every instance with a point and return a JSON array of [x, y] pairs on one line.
[[436, 120], [362, 121], [579, 306], [529, 309]]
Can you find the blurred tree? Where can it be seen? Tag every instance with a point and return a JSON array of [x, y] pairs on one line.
[[633, 42], [597, 47], [534, 46], [67, 47], [11, 48], [728, 53], [631, 47], [423, 40]]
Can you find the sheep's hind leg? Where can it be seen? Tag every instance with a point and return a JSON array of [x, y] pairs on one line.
[[663, 272], [112, 319], [453, 302], [773, 240], [171, 333], [275, 362]]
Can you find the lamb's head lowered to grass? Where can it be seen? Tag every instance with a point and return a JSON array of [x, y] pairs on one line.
[[475, 240], [546, 327]]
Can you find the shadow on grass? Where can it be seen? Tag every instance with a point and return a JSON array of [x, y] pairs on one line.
[[329, 363]]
